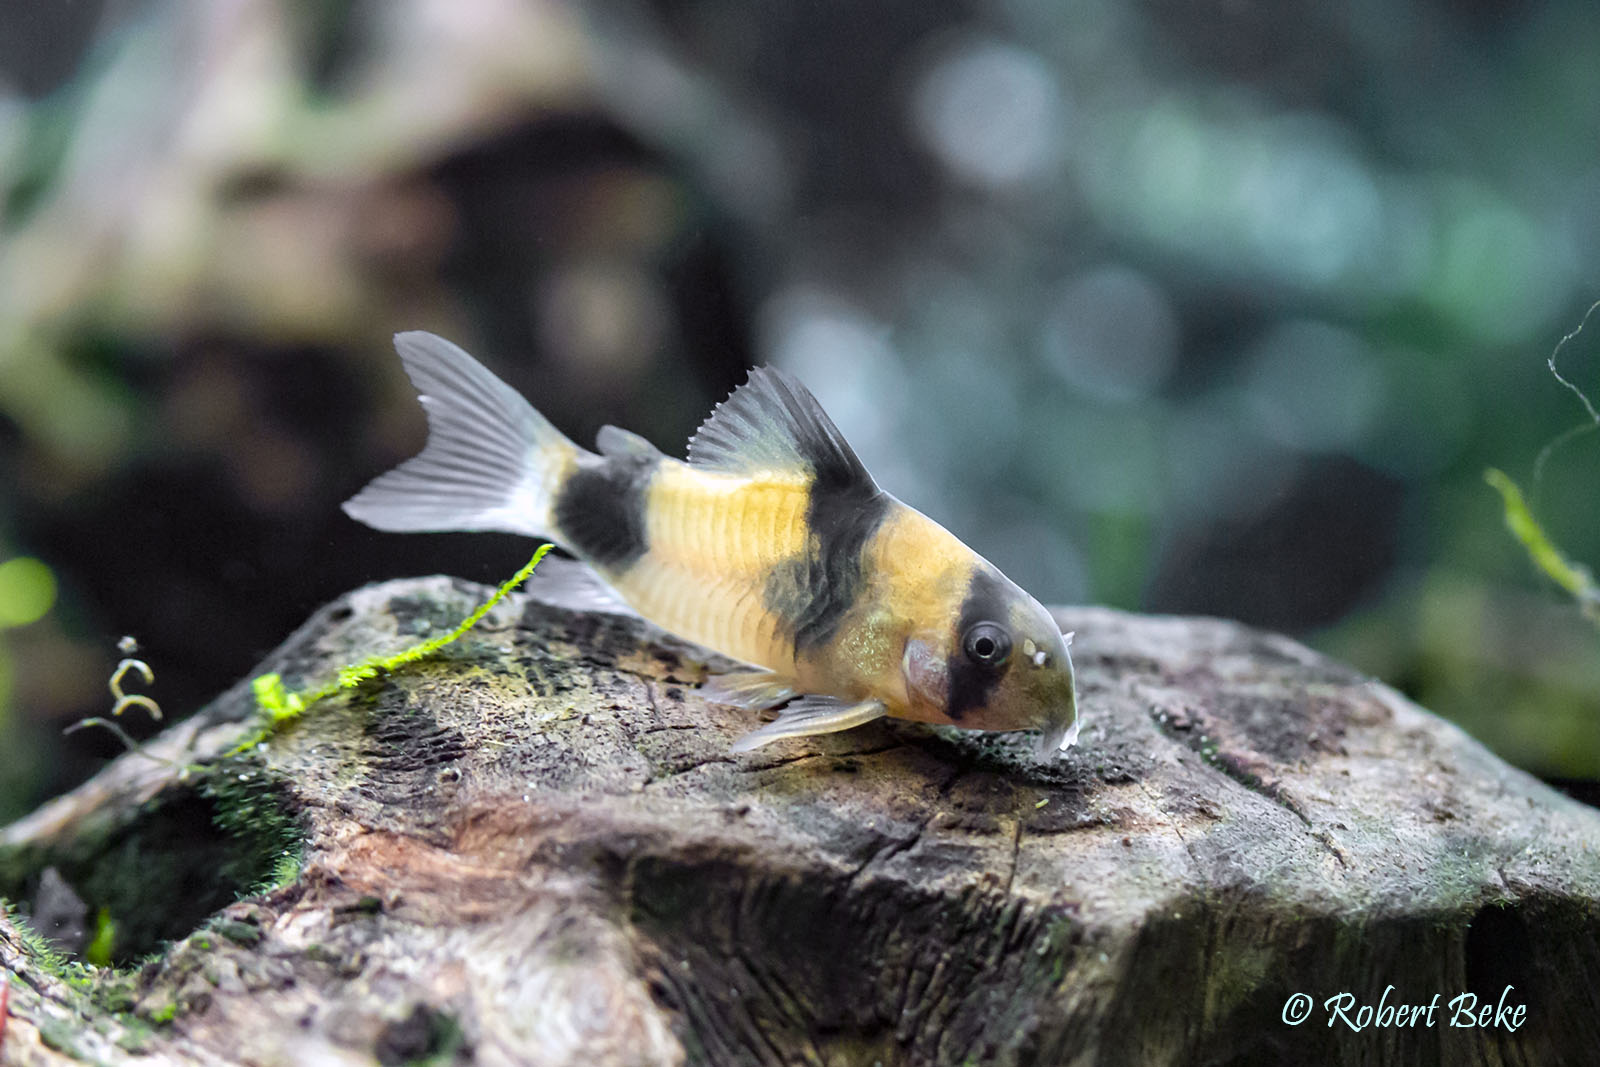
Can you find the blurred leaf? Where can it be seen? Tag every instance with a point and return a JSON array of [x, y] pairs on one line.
[[104, 941], [1572, 577]]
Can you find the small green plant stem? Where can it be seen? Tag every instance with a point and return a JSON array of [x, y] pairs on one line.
[[283, 706], [1573, 577]]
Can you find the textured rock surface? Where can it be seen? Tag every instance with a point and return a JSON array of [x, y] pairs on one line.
[[536, 848]]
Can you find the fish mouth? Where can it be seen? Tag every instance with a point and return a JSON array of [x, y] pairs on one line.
[[1060, 730]]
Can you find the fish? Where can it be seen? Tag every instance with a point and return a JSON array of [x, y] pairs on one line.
[[771, 544]]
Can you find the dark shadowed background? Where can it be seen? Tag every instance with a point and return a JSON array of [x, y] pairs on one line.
[[1179, 307]]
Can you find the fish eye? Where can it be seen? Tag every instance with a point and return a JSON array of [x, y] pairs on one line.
[[987, 644]]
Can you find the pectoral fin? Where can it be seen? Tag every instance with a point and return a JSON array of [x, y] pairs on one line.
[[927, 675], [812, 715], [750, 690]]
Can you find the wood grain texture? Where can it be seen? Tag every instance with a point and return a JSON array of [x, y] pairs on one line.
[[537, 849]]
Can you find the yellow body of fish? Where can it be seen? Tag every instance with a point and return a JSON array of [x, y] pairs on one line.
[[772, 544]]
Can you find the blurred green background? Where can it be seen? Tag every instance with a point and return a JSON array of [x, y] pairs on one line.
[[1216, 308]]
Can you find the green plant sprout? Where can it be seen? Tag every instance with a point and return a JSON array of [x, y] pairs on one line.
[[283, 706], [128, 646], [272, 696], [98, 951], [123, 701], [1575, 578]]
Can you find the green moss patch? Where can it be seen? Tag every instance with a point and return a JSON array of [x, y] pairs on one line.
[[184, 855]]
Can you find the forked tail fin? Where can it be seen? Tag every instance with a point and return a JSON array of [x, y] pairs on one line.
[[491, 461]]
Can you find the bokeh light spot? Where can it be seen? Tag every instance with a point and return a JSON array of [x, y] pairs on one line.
[[27, 591], [1499, 274], [1314, 387], [1283, 197], [1111, 334], [992, 112], [1307, 205]]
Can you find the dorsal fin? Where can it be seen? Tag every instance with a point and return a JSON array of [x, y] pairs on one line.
[[773, 424]]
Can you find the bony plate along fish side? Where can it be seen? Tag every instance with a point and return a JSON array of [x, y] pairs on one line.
[[772, 545]]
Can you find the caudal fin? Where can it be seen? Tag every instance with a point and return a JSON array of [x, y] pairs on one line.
[[491, 461]]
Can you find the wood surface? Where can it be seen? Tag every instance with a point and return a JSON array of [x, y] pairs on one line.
[[536, 848]]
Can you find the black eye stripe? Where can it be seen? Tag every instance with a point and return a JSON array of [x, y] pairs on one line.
[[973, 681]]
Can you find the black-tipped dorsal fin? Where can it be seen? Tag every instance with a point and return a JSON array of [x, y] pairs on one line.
[[772, 424]]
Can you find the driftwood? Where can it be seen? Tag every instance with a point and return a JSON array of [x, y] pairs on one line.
[[536, 848]]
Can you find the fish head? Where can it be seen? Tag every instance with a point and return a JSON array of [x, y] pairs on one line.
[[1004, 664]]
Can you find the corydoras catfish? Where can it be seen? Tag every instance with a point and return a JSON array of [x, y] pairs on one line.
[[772, 545]]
